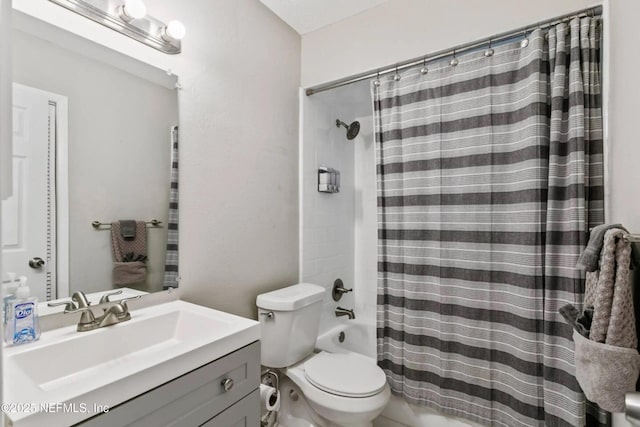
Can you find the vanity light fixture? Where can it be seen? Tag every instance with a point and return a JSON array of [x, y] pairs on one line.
[[129, 17], [174, 30], [132, 9]]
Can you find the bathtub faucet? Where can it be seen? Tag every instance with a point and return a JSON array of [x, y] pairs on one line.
[[344, 312]]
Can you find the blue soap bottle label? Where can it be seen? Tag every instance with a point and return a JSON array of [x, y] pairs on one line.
[[23, 323]]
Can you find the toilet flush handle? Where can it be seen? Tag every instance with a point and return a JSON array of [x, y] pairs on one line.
[[268, 314]]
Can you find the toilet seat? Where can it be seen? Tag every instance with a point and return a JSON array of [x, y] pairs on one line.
[[344, 374]]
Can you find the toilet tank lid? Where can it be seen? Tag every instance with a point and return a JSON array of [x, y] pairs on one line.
[[291, 298]]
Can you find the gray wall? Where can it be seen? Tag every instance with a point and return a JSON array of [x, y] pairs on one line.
[[119, 152]]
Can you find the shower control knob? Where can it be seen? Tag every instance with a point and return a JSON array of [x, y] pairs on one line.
[[227, 384]]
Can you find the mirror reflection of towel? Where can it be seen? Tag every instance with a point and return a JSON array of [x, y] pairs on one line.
[[126, 273], [128, 229], [120, 246], [129, 273]]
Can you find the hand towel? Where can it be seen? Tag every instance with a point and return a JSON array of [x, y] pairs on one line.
[[125, 273], [128, 228], [608, 363], [120, 247], [129, 273], [609, 290], [589, 258], [581, 321], [605, 372]]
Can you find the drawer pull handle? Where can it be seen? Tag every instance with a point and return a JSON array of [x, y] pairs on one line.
[[227, 384]]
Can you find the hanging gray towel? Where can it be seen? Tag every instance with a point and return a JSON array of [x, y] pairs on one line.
[[607, 363], [590, 256], [609, 291], [127, 273], [128, 228], [605, 372]]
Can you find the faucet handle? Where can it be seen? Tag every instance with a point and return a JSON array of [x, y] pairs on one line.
[[123, 302], [81, 299], [339, 289], [68, 305], [105, 298]]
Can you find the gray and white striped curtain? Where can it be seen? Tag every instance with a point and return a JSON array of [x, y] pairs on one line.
[[490, 174], [171, 278]]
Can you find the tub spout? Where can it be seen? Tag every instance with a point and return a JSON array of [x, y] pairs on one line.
[[344, 312]]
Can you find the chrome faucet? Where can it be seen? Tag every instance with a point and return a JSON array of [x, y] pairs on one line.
[[116, 313], [344, 312]]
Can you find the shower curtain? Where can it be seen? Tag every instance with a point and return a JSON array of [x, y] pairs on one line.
[[490, 174], [171, 258]]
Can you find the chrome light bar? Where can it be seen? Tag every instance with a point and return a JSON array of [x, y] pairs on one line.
[[112, 14]]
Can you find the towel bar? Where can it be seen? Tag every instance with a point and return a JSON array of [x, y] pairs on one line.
[[98, 224], [632, 238]]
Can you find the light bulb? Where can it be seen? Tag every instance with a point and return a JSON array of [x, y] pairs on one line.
[[174, 30], [132, 9]]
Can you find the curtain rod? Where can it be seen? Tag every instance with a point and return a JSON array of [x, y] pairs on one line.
[[460, 49]]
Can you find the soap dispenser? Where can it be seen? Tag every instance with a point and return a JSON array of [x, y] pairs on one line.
[[23, 324], [8, 295]]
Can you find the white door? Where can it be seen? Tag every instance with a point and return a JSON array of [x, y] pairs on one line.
[[26, 216]]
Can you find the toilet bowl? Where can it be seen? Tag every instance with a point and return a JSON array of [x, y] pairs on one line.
[[346, 389], [341, 389]]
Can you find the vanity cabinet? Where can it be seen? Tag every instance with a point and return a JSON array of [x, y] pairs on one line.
[[223, 393]]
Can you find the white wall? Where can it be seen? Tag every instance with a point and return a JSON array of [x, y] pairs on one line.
[[119, 153], [403, 29], [240, 72]]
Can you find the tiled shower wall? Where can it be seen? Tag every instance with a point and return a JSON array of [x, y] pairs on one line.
[[332, 232]]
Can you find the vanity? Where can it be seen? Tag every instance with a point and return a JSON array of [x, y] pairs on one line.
[[172, 364]]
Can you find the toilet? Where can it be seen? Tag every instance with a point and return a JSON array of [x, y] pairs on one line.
[[340, 389]]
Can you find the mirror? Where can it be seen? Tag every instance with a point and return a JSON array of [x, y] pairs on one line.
[[93, 132]]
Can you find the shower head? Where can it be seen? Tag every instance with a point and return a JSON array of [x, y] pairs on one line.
[[352, 129]]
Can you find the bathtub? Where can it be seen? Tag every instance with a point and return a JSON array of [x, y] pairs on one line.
[[352, 335], [360, 337]]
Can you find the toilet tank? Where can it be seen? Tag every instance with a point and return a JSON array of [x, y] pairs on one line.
[[289, 320]]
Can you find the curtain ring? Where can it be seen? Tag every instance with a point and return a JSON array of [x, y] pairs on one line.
[[454, 61], [525, 42], [489, 52], [424, 69], [376, 82], [397, 77]]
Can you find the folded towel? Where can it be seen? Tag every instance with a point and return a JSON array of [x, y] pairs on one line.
[[127, 228], [129, 273], [121, 246], [589, 258], [581, 321], [614, 320], [605, 372]]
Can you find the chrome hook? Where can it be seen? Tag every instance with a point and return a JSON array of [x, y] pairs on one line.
[[489, 52], [454, 61], [397, 77], [525, 42], [376, 82], [424, 69]]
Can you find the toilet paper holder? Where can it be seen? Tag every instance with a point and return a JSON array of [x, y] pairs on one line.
[[270, 377], [273, 378]]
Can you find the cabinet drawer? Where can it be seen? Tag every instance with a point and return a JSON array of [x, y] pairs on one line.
[[192, 399], [245, 413]]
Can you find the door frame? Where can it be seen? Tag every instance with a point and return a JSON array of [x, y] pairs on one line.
[[61, 167]]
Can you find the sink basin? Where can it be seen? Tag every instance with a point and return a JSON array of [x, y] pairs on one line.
[[68, 376]]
